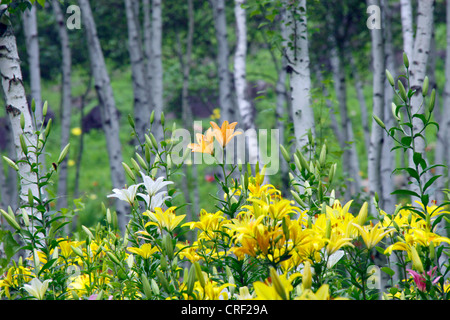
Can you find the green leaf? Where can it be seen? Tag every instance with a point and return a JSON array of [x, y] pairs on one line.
[[406, 141], [417, 157], [387, 270], [430, 182], [406, 192]]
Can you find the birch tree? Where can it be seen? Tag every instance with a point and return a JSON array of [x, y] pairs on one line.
[[157, 66], [297, 54], [110, 121], [407, 26], [66, 99], [376, 136], [240, 82], [227, 111], [142, 97], [16, 105], [387, 165], [418, 69], [445, 124], [32, 41]]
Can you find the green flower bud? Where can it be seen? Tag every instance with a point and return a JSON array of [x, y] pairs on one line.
[[128, 171], [285, 154], [152, 117], [11, 163], [131, 121], [44, 109], [11, 220], [22, 120], [390, 78], [402, 91], [146, 286], [63, 153], [426, 83], [432, 100], [405, 60], [378, 120], [23, 144]]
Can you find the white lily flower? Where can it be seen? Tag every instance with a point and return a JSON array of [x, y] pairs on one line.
[[154, 201], [153, 186], [36, 288], [127, 195]]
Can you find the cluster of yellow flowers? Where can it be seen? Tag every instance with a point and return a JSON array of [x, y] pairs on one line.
[[290, 250]]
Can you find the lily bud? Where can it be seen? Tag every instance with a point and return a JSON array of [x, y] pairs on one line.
[[162, 119], [154, 287], [390, 78], [128, 171], [23, 144], [417, 263], [198, 272], [378, 120], [278, 285], [307, 276], [63, 153], [402, 91], [44, 109], [25, 218], [131, 121], [362, 216], [323, 155], [285, 154], [11, 163], [426, 83], [11, 220], [432, 100], [405, 60], [146, 286], [22, 120], [394, 111], [152, 117]]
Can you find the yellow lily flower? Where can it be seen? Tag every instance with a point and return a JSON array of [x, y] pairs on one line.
[[145, 251], [164, 219], [372, 235]]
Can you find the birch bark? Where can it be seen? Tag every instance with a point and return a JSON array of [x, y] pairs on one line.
[[32, 41], [110, 121], [240, 82], [227, 111], [156, 66], [140, 86], [15, 105], [300, 80], [66, 100], [376, 136], [418, 69]]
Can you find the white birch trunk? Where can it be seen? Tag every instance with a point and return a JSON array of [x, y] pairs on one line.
[[157, 67], [418, 69], [227, 111], [407, 27], [240, 82], [66, 100], [376, 136], [281, 108], [139, 76], [32, 41], [15, 105], [445, 126], [388, 201], [110, 121], [300, 81]]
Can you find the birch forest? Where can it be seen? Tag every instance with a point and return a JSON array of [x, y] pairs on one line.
[[224, 150]]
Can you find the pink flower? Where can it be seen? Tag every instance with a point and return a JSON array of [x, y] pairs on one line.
[[420, 279]]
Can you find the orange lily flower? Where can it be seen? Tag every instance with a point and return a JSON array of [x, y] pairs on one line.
[[225, 133], [205, 143]]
